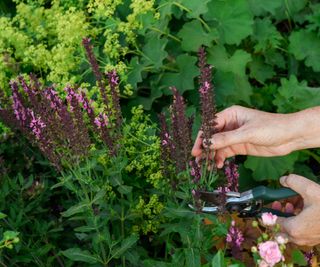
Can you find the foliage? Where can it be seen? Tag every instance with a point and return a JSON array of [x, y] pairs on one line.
[[123, 210]]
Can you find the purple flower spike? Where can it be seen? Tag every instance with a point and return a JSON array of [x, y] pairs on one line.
[[195, 171], [36, 125], [232, 174], [235, 239], [208, 109]]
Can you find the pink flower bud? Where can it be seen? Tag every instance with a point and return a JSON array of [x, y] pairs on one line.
[[268, 219]]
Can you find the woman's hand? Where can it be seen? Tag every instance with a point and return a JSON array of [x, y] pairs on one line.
[[244, 131], [303, 229]]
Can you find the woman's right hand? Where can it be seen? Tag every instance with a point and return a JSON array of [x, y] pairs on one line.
[[244, 131]]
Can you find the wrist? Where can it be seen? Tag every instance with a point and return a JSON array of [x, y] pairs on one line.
[[305, 128]]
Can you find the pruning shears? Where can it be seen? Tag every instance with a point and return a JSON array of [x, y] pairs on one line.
[[246, 204]]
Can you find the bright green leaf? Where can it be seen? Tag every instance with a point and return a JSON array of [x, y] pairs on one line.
[[193, 36], [304, 45], [218, 260], [265, 168], [221, 60], [76, 254], [184, 79], [298, 258], [259, 70], [260, 7], [135, 69], [294, 96], [196, 8], [266, 35], [154, 50], [234, 20]]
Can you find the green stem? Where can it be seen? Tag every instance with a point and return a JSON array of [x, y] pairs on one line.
[[167, 34], [122, 230]]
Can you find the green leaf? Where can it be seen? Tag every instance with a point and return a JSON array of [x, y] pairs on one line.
[[134, 75], [221, 60], [232, 86], [260, 7], [124, 189], [266, 35], [184, 79], [293, 96], [259, 70], [304, 45], [154, 50], [193, 36], [8, 235], [76, 254], [126, 244], [234, 21], [2, 215], [80, 207], [196, 8], [265, 168], [192, 257], [298, 258], [218, 260]]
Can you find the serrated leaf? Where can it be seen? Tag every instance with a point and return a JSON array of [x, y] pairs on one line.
[[266, 35], [126, 244], [298, 258], [304, 45], [289, 8], [136, 68], [76, 254], [221, 60], [293, 96], [232, 86], [196, 8], [193, 36], [265, 168], [184, 79], [154, 50], [218, 260], [234, 21], [260, 7], [259, 70]]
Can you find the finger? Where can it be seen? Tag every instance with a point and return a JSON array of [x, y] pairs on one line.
[[289, 208], [230, 138], [301, 185], [197, 147], [276, 205]]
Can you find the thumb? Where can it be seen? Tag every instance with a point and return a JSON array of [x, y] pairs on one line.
[[225, 139], [301, 185]]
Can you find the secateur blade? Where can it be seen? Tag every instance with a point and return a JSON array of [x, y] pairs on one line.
[[214, 197]]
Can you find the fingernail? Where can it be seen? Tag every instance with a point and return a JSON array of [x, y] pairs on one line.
[[283, 180]]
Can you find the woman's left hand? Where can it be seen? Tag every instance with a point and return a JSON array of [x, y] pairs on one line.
[[304, 228]]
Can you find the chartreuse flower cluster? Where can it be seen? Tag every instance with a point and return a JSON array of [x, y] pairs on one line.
[[142, 147], [151, 214], [47, 40], [8, 238]]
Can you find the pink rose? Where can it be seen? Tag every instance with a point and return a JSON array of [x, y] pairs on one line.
[[269, 251], [268, 219], [263, 263]]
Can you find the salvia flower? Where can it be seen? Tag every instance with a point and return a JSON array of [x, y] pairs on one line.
[[101, 121], [232, 174], [113, 80], [36, 125], [180, 131], [309, 256], [195, 171], [234, 239], [18, 108], [208, 109]]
